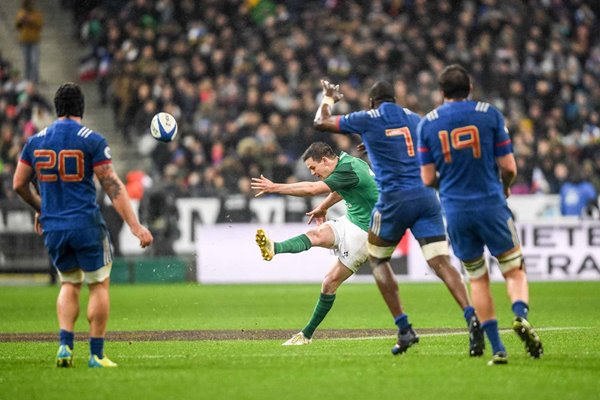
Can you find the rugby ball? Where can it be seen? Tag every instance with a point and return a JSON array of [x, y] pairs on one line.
[[163, 127]]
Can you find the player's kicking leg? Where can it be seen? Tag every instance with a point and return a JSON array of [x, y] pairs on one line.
[[322, 236]]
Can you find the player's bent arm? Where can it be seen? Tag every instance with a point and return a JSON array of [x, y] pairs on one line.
[[508, 170], [330, 200], [114, 188], [22, 186], [429, 175]]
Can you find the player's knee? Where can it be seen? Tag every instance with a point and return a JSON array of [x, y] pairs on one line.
[[475, 268], [329, 285], [511, 261]]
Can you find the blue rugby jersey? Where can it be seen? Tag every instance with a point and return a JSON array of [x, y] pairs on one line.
[[389, 135], [463, 139], [63, 156]]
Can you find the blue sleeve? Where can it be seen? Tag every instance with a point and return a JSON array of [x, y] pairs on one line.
[[101, 153], [425, 156], [502, 142], [26, 156], [353, 123]]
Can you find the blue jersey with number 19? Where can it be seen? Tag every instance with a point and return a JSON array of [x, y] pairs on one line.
[[389, 135], [463, 139], [63, 156]]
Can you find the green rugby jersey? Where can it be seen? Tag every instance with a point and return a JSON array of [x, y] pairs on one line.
[[354, 181]]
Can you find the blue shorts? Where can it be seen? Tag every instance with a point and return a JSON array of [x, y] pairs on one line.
[[470, 230], [87, 249], [418, 210]]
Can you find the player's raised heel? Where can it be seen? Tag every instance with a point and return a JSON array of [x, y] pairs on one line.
[[267, 249], [533, 343], [405, 340], [297, 340], [500, 358], [64, 357], [96, 362], [476, 338]]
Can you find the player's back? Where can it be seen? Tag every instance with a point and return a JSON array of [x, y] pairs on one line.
[[463, 139], [389, 135], [63, 156]]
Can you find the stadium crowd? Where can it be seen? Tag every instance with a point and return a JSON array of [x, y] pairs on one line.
[[242, 79]]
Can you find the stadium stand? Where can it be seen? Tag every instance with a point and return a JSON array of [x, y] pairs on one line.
[[242, 78]]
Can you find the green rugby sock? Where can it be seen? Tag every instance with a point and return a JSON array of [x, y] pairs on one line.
[[296, 244], [323, 306]]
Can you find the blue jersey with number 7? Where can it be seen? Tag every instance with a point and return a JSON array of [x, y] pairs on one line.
[[63, 156], [463, 139], [389, 135]]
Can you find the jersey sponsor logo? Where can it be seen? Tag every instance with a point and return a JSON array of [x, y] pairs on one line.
[[432, 115], [374, 113], [84, 132], [481, 106]]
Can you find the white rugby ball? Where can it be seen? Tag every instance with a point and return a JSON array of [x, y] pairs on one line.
[[163, 127]]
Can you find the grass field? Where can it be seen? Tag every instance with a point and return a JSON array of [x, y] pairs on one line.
[[566, 314]]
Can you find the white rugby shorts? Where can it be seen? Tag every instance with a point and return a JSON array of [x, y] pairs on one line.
[[350, 243]]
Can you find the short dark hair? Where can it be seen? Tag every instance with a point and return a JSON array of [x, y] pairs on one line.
[[382, 91], [455, 82], [317, 151], [69, 100]]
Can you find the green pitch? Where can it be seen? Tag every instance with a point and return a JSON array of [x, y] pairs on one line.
[[565, 314]]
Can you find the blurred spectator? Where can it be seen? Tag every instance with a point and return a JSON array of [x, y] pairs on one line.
[[29, 22], [577, 196]]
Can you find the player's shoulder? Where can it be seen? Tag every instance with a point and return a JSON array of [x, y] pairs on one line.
[[85, 133]]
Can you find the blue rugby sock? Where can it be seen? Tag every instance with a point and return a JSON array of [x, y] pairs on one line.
[[520, 309], [401, 322], [468, 312], [97, 347], [490, 328], [66, 338]]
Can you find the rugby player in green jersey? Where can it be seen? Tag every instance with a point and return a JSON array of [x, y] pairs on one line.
[[341, 177]]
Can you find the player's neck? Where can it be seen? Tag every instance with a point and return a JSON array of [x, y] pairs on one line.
[[72, 118], [447, 100]]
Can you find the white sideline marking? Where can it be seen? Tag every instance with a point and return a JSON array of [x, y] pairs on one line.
[[548, 329]]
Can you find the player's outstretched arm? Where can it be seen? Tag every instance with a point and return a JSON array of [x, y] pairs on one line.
[[324, 121], [300, 189], [114, 188], [22, 186], [508, 171]]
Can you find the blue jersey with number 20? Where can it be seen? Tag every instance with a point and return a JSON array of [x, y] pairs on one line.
[[63, 156]]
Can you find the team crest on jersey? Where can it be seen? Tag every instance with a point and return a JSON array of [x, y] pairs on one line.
[[107, 152]]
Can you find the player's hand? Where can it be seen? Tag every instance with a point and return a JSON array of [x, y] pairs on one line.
[[262, 184], [37, 226], [361, 148], [331, 90], [142, 233], [318, 215]]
